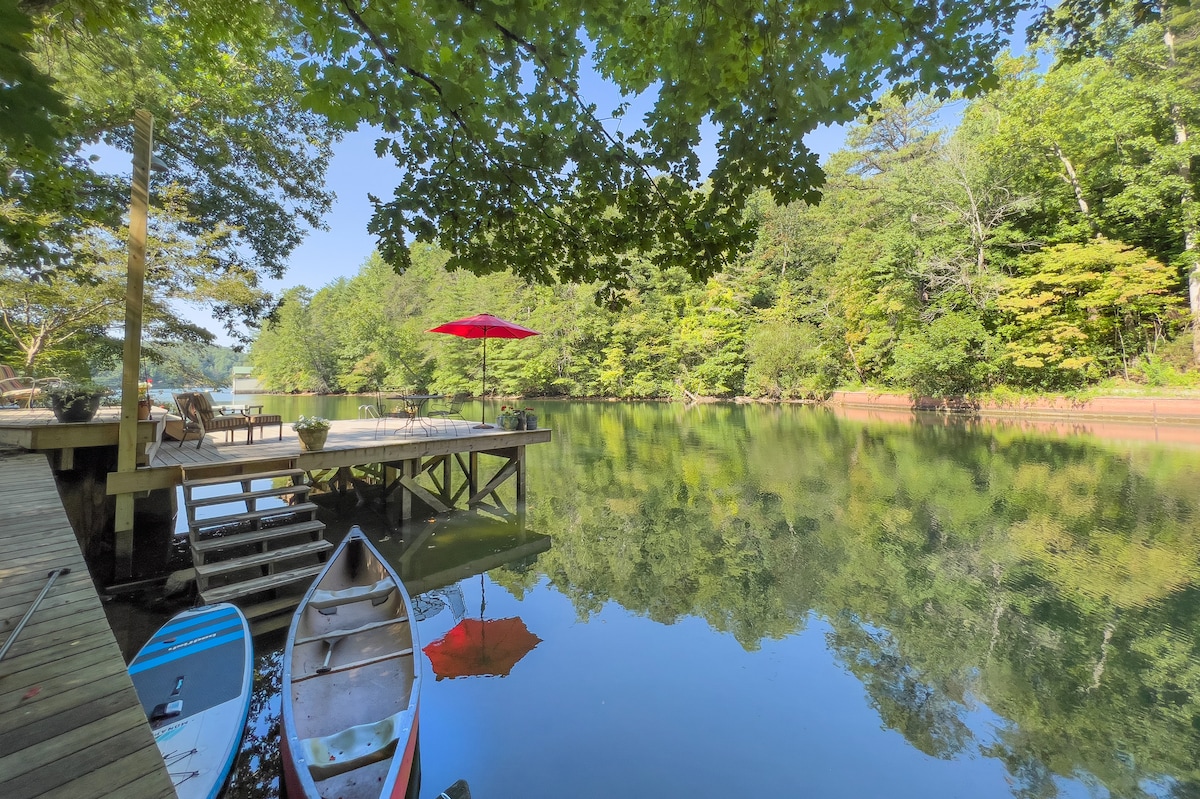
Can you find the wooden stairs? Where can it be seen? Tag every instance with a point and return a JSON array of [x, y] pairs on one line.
[[244, 552]]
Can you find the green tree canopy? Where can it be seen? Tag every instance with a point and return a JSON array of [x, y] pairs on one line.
[[510, 165], [217, 77]]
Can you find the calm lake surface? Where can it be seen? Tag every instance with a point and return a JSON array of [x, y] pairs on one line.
[[781, 601]]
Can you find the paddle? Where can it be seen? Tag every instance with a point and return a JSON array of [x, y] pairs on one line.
[[50, 578]]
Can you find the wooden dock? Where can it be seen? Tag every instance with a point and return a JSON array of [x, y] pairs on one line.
[[351, 442], [433, 451], [436, 461], [71, 724]]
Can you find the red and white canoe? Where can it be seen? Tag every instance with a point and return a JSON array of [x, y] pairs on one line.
[[352, 682]]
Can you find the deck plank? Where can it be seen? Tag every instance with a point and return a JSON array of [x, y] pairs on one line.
[[71, 724]]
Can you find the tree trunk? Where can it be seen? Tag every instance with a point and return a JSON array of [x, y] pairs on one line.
[[1072, 180]]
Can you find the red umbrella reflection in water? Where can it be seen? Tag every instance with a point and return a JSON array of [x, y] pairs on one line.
[[478, 648]]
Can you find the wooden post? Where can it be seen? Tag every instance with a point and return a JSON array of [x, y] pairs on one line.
[[472, 475], [139, 208], [521, 477], [410, 469], [447, 477]]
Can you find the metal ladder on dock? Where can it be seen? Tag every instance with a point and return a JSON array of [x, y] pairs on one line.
[[247, 543]]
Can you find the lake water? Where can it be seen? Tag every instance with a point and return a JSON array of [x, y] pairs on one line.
[[750, 600]]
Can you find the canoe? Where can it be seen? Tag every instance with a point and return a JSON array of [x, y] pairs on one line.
[[351, 682], [193, 677]]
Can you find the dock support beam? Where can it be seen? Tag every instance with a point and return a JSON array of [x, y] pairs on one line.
[[139, 209], [400, 484]]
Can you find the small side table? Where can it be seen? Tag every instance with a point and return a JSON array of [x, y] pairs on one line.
[[260, 421]]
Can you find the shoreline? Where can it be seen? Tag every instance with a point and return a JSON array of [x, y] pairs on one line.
[[1151, 410], [1132, 420]]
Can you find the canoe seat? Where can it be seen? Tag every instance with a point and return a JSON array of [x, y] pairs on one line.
[[327, 601], [353, 747], [365, 628]]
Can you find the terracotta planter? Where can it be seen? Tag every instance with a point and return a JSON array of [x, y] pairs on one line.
[[143, 410], [311, 440], [76, 408]]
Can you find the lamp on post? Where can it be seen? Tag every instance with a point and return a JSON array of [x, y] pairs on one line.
[[139, 207]]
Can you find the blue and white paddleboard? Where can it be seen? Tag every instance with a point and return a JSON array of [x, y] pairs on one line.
[[193, 677]]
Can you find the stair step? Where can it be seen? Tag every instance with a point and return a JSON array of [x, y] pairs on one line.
[[263, 558], [197, 525], [222, 499], [271, 618], [256, 536], [228, 593], [238, 478]]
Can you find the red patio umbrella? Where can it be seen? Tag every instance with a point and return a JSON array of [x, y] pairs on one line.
[[478, 648], [484, 326]]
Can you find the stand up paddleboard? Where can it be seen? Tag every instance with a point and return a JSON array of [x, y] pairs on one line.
[[193, 677]]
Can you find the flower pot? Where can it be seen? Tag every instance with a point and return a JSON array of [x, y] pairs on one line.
[[143, 409], [76, 407], [312, 439], [508, 423], [530, 421]]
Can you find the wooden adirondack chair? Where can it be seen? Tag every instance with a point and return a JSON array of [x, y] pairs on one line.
[[14, 387]]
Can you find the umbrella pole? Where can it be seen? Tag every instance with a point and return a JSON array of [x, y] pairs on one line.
[[483, 425]]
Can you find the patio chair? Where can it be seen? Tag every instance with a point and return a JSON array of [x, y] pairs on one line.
[[371, 412], [197, 411], [14, 387], [452, 409]]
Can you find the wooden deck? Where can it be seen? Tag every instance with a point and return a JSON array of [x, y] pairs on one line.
[[71, 724], [352, 442], [37, 429], [434, 461]]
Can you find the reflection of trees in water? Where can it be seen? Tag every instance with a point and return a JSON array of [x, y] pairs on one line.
[[256, 774], [1057, 580], [921, 710]]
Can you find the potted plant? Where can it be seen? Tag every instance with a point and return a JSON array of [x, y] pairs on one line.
[[531, 419], [312, 431], [143, 400], [509, 419], [75, 402]]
